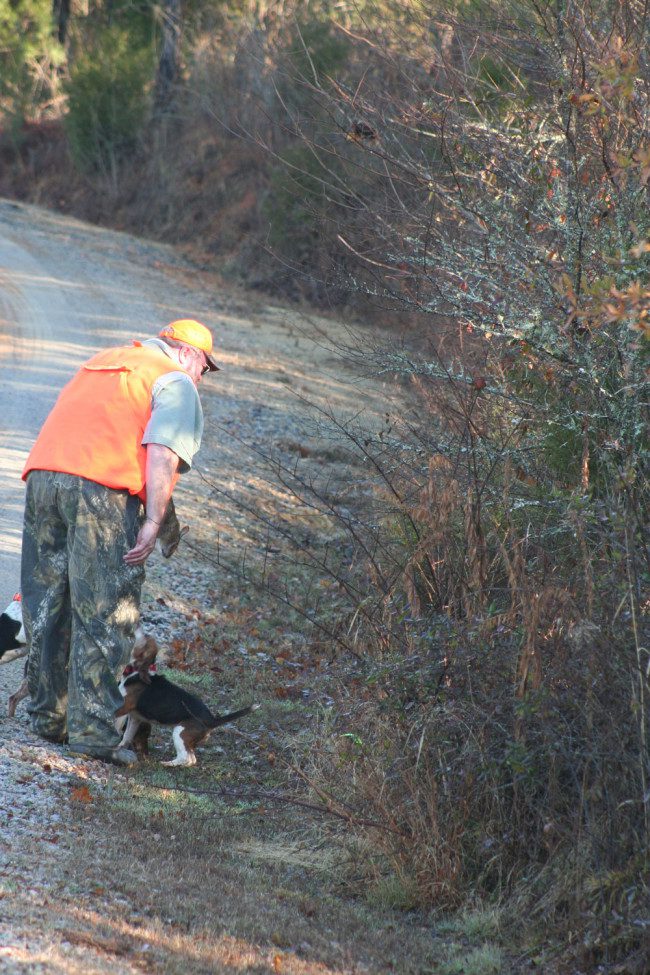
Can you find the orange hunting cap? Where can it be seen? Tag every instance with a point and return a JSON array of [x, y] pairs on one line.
[[193, 333]]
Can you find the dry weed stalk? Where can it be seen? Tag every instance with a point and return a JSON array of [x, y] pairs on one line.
[[433, 562]]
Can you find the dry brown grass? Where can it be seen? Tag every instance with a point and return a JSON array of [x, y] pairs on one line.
[[210, 887]]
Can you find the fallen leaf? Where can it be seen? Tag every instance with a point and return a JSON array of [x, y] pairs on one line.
[[81, 793]]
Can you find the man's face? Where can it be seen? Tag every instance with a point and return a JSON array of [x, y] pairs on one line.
[[194, 362]]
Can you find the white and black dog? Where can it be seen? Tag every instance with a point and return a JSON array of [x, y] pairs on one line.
[[13, 644], [150, 698], [12, 632]]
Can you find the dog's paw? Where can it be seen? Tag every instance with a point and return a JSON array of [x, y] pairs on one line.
[[181, 762]]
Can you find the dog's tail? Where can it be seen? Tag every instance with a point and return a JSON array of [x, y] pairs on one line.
[[219, 719]]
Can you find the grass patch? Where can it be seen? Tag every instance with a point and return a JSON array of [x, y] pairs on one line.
[[393, 892], [478, 924], [296, 854], [486, 960], [260, 885], [191, 682], [147, 801]]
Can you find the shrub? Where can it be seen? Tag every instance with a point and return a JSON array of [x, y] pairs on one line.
[[294, 204], [29, 57], [108, 101]]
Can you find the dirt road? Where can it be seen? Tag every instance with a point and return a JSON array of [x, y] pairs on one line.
[[102, 871]]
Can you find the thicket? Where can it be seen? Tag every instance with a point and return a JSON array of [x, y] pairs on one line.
[[477, 176], [29, 58], [484, 173]]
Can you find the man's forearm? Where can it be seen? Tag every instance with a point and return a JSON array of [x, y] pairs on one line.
[[162, 464]]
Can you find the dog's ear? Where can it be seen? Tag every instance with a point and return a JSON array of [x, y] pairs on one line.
[[150, 650], [147, 672], [145, 652], [145, 659]]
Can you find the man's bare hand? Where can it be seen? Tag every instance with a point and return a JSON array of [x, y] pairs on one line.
[[144, 544], [162, 464]]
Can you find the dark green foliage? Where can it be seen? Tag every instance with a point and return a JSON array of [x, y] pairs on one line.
[[316, 50], [294, 203], [108, 101], [138, 19], [29, 56]]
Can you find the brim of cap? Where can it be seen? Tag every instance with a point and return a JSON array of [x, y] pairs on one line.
[[210, 361]]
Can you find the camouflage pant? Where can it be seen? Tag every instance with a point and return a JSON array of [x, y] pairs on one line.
[[80, 603]]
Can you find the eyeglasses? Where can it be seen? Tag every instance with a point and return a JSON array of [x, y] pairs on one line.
[[205, 368]]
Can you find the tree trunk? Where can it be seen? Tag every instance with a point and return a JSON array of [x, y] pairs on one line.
[[61, 14], [169, 55]]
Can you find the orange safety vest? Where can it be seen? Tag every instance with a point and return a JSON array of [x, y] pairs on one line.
[[96, 426]]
